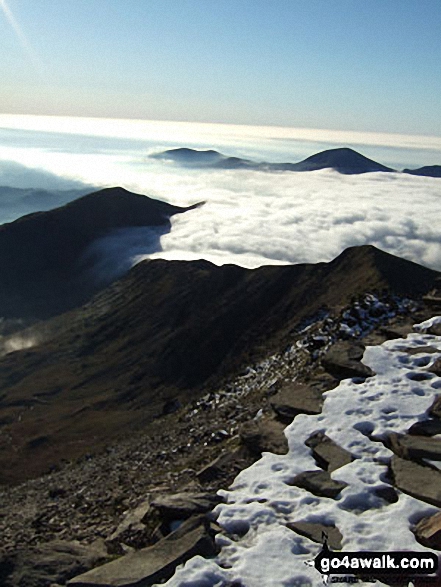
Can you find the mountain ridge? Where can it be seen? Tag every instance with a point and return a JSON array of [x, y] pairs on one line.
[[162, 335], [342, 159]]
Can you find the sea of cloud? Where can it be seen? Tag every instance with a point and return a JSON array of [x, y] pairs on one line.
[[249, 218]]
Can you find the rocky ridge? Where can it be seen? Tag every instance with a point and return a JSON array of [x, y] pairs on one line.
[[109, 504]]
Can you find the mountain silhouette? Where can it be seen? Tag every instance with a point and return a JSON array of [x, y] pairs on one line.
[[45, 267], [168, 331], [343, 160], [426, 171]]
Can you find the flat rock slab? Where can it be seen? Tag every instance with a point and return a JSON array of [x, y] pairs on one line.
[[328, 454], [414, 447], [428, 531], [319, 483], [318, 533], [417, 480], [53, 562], [266, 435], [181, 506], [343, 361], [150, 565], [296, 399], [426, 428], [222, 466]]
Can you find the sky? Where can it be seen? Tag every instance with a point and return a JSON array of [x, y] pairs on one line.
[[331, 64]]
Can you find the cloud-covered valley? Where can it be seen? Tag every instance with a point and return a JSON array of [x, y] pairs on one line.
[[252, 218]]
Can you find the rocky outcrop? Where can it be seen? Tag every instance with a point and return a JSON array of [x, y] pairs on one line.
[[264, 436], [294, 399], [413, 447], [153, 564], [46, 564], [344, 361]]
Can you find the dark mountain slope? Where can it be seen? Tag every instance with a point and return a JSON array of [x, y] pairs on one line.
[[167, 331], [426, 171], [42, 268]]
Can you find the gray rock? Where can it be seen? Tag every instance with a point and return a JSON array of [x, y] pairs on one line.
[[153, 564], [414, 447], [318, 533], [421, 482], [343, 360], [428, 531], [222, 466], [319, 483], [328, 454], [181, 506], [435, 408], [426, 428], [436, 368], [131, 531], [266, 435], [296, 399], [53, 562]]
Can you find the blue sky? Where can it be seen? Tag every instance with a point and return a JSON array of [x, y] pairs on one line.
[[372, 65]]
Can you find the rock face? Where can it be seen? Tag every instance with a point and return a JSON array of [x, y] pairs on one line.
[[153, 564], [421, 482]]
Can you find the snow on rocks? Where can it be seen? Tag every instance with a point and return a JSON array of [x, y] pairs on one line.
[[259, 548]]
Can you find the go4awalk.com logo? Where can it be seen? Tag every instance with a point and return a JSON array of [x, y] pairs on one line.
[[375, 564]]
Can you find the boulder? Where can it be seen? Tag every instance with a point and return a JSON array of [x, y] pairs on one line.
[[428, 531], [265, 435], [181, 506], [296, 399], [328, 454], [131, 531], [319, 483], [318, 533], [153, 564], [46, 564], [426, 428], [343, 360], [223, 466], [419, 481], [414, 447]]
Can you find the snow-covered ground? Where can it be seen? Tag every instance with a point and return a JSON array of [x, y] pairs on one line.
[[257, 548]]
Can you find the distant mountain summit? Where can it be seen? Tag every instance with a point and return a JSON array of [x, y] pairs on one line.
[[343, 160], [426, 171], [42, 255]]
